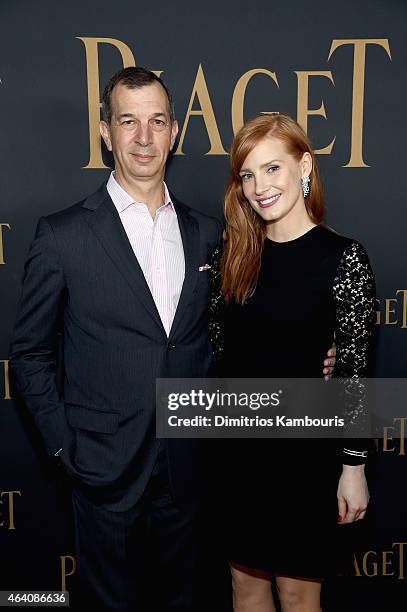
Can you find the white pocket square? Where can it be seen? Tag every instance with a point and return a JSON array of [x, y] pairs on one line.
[[205, 267]]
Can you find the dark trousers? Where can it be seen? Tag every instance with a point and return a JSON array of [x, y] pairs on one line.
[[141, 560]]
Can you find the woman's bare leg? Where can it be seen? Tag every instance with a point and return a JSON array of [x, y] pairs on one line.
[[251, 591], [298, 595]]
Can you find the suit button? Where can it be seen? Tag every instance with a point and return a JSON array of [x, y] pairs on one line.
[[170, 346]]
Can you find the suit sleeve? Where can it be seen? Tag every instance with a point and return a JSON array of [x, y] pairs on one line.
[[34, 346], [355, 300]]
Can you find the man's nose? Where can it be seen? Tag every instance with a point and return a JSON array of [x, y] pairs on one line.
[[143, 134]]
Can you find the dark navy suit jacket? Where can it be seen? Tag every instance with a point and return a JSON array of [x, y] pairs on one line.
[[82, 280]]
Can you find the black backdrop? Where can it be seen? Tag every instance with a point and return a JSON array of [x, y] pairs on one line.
[[338, 66]]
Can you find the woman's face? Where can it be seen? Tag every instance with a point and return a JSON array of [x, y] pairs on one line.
[[271, 179]]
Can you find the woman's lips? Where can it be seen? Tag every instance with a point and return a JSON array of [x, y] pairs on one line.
[[265, 203]]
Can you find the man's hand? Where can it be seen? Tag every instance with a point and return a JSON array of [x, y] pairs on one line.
[[329, 363], [353, 494]]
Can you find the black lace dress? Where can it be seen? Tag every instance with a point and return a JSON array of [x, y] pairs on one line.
[[279, 507]]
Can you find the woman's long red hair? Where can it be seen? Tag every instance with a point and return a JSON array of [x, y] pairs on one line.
[[245, 229]]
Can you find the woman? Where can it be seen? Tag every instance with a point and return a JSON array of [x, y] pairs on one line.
[[288, 283]]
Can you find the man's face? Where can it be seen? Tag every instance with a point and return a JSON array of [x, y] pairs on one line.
[[140, 134]]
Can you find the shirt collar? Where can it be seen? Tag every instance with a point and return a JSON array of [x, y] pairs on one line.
[[122, 200]]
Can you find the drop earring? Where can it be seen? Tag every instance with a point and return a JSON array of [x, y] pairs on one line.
[[305, 185]]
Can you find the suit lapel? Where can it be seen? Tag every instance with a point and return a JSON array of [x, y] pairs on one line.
[[189, 230], [106, 224]]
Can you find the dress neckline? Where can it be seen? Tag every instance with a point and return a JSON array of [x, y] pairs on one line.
[[296, 241]]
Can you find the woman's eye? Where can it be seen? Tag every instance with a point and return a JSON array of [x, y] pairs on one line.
[[273, 169], [246, 177]]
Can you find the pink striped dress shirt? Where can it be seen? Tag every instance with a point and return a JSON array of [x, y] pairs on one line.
[[157, 244]]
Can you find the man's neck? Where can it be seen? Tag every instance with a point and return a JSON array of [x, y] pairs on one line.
[[150, 192]]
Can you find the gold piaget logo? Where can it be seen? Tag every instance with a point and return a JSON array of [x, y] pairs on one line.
[[3, 226], [67, 565], [393, 311], [382, 563], [6, 379], [200, 104], [7, 509], [394, 437]]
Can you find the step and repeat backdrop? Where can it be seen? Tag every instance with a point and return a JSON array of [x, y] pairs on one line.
[[338, 67]]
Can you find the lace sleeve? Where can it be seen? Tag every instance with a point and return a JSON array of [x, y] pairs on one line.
[[216, 307], [355, 300]]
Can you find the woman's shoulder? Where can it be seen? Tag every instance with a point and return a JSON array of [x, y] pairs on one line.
[[338, 242]]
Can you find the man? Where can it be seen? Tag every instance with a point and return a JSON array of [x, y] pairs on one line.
[[123, 273], [120, 273]]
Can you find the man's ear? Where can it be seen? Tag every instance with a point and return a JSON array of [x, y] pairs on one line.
[[174, 132], [105, 133]]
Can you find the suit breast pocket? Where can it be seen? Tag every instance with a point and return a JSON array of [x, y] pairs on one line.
[[203, 282]]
